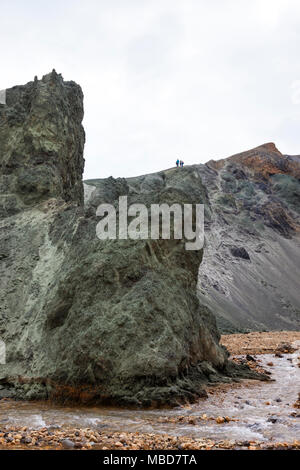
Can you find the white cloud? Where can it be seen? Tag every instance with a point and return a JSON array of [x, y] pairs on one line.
[[198, 79], [269, 12]]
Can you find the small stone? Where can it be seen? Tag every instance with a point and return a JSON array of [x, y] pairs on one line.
[[250, 358], [245, 443], [220, 420], [67, 444]]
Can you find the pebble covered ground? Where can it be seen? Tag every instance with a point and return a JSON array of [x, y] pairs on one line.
[[258, 342], [85, 439]]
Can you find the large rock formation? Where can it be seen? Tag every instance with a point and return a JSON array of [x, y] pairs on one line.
[[86, 319], [249, 275]]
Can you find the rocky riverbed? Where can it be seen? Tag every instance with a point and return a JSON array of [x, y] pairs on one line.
[[244, 415]]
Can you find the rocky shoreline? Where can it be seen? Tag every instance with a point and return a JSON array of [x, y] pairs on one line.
[[84, 438], [88, 439]]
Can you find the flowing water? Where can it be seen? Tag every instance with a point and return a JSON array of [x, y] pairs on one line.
[[263, 411]]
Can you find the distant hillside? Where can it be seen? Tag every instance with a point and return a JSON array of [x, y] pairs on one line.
[[249, 275]]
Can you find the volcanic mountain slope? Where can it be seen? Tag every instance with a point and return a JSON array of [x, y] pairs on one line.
[[249, 275]]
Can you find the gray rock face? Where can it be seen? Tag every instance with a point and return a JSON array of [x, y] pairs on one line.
[[85, 319], [41, 144], [249, 276]]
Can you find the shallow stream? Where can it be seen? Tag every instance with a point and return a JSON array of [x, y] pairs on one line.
[[263, 410]]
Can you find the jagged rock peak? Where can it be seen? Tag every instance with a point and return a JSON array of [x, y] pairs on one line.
[[263, 161], [41, 143], [270, 147]]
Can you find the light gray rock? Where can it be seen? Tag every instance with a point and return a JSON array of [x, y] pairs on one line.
[[68, 444], [255, 205]]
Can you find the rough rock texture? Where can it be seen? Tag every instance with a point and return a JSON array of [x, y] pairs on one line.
[[249, 276], [82, 318], [41, 144]]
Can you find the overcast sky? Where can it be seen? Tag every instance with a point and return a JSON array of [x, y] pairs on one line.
[[196, 79]]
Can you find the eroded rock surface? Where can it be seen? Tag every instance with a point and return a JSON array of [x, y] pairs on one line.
[[249, 276], [41, 144], [82, 318]]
